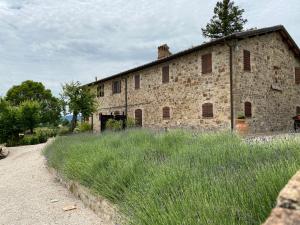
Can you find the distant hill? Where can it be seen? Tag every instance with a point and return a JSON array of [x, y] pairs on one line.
[[69, 117]]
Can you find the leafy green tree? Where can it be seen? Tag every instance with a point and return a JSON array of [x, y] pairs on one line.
[[36, 91], [10, 124], [227, 20], [30, 115], [78, 100]]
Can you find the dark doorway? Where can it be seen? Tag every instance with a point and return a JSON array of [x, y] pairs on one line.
[[104, 118], [139, 118]]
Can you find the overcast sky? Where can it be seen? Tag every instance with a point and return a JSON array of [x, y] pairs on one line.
[[57, 41]]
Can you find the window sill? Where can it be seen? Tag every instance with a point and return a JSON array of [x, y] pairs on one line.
[[207, 73]]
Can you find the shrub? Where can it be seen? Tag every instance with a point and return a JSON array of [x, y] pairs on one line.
[[241, 115], [31, 139], [63, 131], [10, 124], [49, 132], [114, 125], [66, 123], [130, 123], [84, 127]]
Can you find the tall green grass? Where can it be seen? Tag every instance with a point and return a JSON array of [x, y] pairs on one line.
[[179, 177]]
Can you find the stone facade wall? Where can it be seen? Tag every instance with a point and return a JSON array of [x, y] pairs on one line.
[[185, 93], [272, 63]]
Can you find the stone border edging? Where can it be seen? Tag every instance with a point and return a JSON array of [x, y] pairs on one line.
[[4, 152], [100, 206], [287, 210]]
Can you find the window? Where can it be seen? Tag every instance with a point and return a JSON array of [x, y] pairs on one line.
[[298, 110], [247, 61], [116, 87], [100, 90], [297, 75], [206, 63], [165, 74], [248, 109], [207, 110], [137, 81], [166, 113], [138, 117]]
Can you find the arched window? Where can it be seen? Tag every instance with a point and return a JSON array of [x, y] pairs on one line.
[[207, 110], [248, 109], [166, 113], [138, 117]]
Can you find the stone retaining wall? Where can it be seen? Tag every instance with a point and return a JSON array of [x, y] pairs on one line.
[[99, 205], [287, 211]]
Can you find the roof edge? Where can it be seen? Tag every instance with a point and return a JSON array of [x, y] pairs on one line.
[[239, 35]]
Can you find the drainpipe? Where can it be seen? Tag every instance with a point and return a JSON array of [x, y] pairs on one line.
[[126, 101], [231, 89], [231, 46], [92, 121]]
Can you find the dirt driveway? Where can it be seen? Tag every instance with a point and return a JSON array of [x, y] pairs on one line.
[[27, 189]]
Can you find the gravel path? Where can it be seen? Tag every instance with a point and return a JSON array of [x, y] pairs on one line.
[[26, 191]]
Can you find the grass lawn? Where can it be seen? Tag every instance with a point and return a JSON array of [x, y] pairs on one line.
[[179, 177]]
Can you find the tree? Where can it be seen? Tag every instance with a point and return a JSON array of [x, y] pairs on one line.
[[227, 20], [30, 115], [36, 91], [78, 100], [10, 124]]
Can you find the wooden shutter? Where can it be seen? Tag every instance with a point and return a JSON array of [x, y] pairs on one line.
[[137, 81], [100, 90], [139, 117], [113, 87], [166, 113], [116, 87], [298, 110], [247, 60], [248, 109], [165, 74], [207, 110], [119, 86], [297, 75], [207, 63]]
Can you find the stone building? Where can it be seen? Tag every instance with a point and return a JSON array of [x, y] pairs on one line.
[[255, 73]]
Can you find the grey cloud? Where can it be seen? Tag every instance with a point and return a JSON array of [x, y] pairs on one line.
[[56, 41]]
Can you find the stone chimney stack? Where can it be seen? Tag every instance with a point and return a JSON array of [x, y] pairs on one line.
[[163, 51]]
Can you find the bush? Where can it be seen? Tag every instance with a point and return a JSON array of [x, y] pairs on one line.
[[130, 123], [63, 131], [31, 139], [65, 123], [84, 127], [114, 125], [49, 132], [10, 122]]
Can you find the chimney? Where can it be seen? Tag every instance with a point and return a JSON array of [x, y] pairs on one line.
[[163, 51]]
